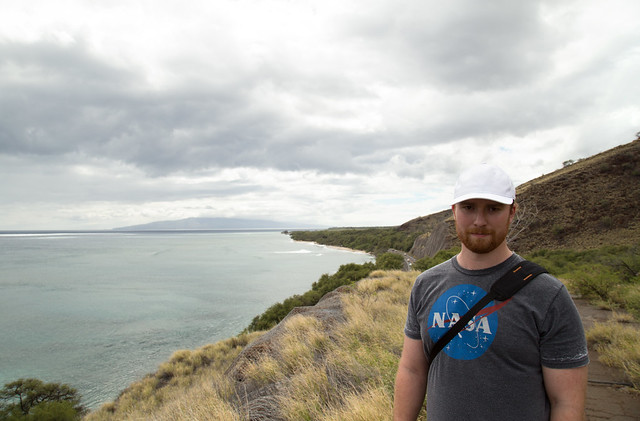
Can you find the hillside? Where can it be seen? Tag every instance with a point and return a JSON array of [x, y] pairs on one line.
[[588, 204], [584, 205]]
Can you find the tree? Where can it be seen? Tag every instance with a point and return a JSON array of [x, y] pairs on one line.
[[33, 399], [526, 214], [390, 261], [429, 262]]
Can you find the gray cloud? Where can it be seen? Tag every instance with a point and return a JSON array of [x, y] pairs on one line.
[[64, 99], [70, 101], [409, 91], [464, 46]]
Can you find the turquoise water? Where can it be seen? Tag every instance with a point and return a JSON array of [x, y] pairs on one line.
[[100, 310]]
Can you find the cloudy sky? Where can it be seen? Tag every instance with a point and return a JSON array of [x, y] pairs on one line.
[[334, 112]]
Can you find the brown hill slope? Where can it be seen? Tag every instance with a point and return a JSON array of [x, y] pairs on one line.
[[588, 204]]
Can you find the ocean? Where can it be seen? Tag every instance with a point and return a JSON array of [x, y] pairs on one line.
[[99, 310]]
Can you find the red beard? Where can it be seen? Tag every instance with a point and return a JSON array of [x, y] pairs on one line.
[[480, 245]]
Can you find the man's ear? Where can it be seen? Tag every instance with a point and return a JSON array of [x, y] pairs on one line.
[[514, 208]]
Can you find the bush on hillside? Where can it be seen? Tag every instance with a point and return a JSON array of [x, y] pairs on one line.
[[390, 261], [609, 275], [32, 399], [440, 257], [346, 275]]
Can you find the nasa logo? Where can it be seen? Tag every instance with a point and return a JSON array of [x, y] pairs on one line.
[[479, 333]]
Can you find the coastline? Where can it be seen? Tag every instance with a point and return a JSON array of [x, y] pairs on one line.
[[341, 248]]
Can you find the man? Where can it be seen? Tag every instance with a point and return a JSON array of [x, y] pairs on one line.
[[521, 359]]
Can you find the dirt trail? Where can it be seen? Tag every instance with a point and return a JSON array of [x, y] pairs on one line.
[[607, 399]]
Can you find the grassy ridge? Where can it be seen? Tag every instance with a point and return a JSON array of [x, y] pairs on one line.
[[191, 385]]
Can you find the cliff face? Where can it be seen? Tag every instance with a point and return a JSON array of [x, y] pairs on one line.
[[437, 233], [584, 205], [425, 224], [442, 237]]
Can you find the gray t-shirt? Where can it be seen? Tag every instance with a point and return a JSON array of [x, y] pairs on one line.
[[492, 370]]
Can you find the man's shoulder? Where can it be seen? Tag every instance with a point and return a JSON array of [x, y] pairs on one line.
[[545, 277], [547, 282], [543, 289]]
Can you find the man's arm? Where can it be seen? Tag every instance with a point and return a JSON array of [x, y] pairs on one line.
[[411, 381], [567, 390]]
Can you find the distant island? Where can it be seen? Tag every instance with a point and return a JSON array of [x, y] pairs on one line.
[[218, 224]]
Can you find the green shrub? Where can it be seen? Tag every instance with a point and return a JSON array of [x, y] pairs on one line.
[[595, 281], [440, 257], [346, 275], [607, 222], [558, 230], [610, 274], [629, 298], [54, 411], [32, 399], [390, 261]]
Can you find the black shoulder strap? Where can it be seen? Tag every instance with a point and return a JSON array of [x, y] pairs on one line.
[[501, 290]]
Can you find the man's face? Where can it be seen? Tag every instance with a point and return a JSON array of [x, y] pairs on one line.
[[482, 225]]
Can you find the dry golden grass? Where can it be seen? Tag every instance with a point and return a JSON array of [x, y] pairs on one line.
[[191, 380], [370, 404], [353, 379], [622, 317], [619, 346], [265, 370], [627, 296]]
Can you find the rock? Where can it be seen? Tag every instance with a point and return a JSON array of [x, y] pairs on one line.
[[442, 237]]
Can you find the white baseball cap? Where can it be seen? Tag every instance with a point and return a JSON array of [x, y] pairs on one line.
[[484, 181]]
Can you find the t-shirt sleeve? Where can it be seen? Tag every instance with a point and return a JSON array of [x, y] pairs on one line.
[[562, 342], [412, 326]]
